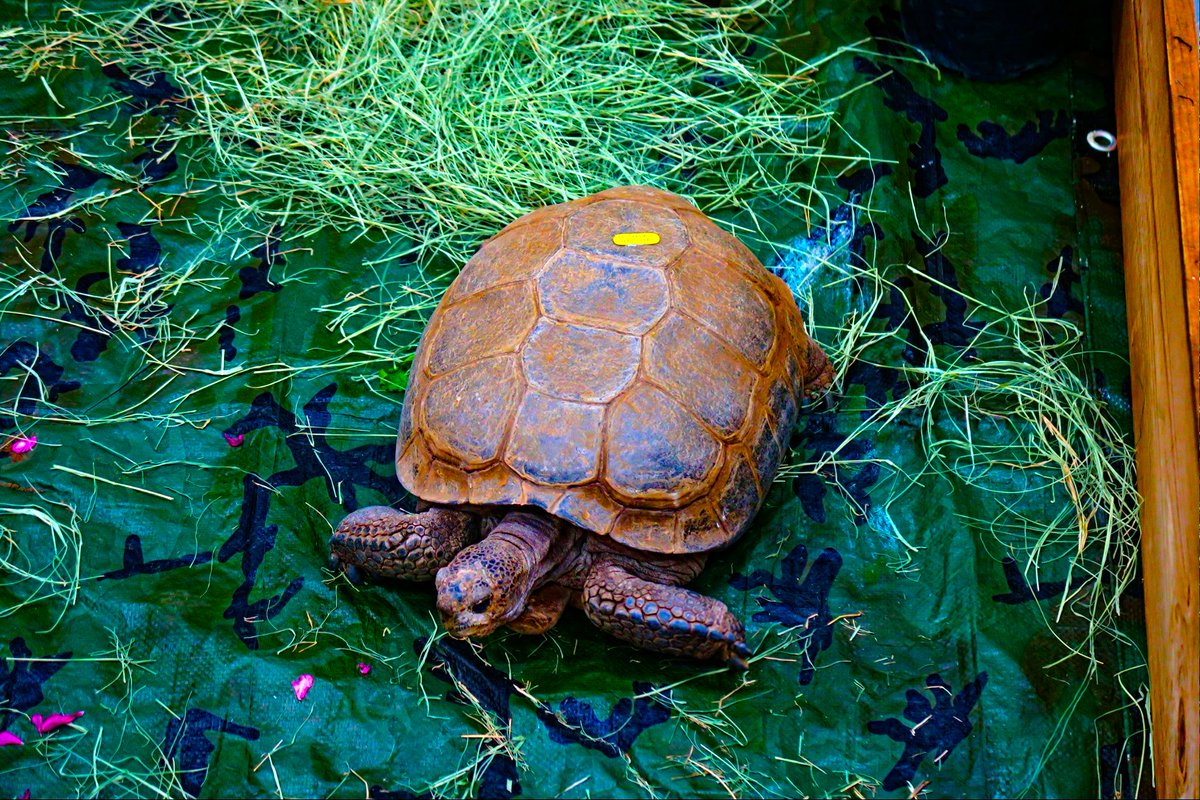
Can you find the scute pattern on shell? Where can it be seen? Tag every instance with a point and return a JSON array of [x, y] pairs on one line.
[[640, 392]]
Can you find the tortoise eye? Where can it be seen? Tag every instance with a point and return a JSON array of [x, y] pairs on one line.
[[481, 606]]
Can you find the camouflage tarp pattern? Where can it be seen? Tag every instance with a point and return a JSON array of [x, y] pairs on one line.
[[197, 439]]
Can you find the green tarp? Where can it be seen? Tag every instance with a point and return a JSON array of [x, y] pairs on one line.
[[202, 421]]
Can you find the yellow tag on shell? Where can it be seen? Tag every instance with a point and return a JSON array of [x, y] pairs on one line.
[[627, 239]]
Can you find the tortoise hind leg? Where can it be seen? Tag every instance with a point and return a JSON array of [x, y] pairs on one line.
[[378, 541], [662, 617]]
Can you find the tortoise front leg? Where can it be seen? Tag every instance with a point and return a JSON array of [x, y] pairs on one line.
[[378, 541], [543, 609], [661, 617]]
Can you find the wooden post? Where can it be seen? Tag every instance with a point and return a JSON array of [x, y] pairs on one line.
[[1183, 70], [1156, 94]]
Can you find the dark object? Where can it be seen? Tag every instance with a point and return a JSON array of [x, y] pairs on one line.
[[186, 748], [577, 721], [314, 457], [21, 679], [42, 382], [939, 726], [993, 141], [456, 662], [1019, 588], [801, 606], [136, 563], [989, 40], [258, 278], [928, 175]]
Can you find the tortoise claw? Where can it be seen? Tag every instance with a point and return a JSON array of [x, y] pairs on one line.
[[737, 659], [352, 572]]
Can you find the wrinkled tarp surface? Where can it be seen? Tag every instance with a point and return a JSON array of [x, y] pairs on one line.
[[204, 592]]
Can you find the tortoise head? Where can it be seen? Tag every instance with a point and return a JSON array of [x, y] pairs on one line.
[[484, 587]]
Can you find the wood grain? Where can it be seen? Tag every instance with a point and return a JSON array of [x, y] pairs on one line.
[[1158, 165], [1183, 71]]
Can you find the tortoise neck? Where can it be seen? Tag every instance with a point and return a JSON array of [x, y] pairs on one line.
[[534, 536]]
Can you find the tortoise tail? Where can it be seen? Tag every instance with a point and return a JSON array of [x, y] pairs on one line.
[[819, 373]]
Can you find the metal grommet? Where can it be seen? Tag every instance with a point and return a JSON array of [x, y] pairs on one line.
[[1102, 140]]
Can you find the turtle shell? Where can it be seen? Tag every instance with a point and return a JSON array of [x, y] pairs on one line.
[[642, 392]]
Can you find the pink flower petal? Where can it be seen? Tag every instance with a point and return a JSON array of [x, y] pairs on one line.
[[234, 441], [301, 686], [23, 444], [364, 668], [24, 796], [7, 738], [54, 721]]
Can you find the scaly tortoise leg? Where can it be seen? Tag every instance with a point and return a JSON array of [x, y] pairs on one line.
[[664, 618], [543, 609], [378, 541]]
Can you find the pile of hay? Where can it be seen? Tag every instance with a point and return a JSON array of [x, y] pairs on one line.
[[439, 122]]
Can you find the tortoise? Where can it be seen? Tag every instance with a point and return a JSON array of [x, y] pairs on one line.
[[587, 421]]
